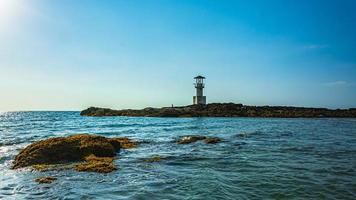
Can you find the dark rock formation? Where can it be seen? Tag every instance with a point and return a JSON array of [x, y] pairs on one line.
[[190, 139], [122, 142], [193, 138], [213, 140], [96, 151], [224, 110], [47, 179]]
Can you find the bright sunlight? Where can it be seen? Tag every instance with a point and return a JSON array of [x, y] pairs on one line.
[[8, 11]]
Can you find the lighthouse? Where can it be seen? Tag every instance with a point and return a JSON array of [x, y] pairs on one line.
[[199, 85]]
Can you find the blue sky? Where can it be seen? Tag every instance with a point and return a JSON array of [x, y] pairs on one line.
[[68, 55]]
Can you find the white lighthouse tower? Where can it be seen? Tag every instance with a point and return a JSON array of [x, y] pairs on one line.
[[199, 85]]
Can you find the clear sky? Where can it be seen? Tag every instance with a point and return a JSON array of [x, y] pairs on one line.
[[68, 55]]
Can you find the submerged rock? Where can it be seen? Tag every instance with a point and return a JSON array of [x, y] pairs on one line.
[[75, 148], [190, 139], [154, 159], [193, 138], [212, 140], [47, 179]]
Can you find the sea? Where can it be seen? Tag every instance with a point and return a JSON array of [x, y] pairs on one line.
[[258, 158]]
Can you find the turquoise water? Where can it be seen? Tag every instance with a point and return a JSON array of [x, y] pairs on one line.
[[258, 158]]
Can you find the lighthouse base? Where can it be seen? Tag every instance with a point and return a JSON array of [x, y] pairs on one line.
[[199, 100]]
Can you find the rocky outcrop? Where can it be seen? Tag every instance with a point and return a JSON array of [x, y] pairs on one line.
[[47, 179], [96, 152], [212, 140], [84, 152], [194, 138], [190, 139], [224, 110]]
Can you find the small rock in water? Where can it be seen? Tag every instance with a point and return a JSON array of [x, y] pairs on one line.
[[193, 138], [154, 159], [212, 140], [47, 179], [190, 139]]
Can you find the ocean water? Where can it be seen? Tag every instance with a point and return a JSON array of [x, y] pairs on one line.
[[258, 159]]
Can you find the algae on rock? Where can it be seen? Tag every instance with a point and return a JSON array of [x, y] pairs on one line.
[[47, 179], [190, 139], [212, 140], [194, 138], [97, 151], [96, 164]]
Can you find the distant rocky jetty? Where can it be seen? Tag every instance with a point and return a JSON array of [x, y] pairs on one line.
[[224, 110]]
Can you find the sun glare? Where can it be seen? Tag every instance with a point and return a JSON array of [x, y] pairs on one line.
[[7, 7], [8, 10]]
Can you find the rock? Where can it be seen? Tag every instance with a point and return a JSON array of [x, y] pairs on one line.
[[154, 159], [93, 111], [224, 110], [193, 138], [47, 179], [50, 167], [212, 140], [75, 148], [96, 164], [64, 149], [190, 139], [122, 142]]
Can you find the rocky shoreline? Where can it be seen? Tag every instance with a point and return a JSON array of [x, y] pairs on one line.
[[225, 110], [85, 153]]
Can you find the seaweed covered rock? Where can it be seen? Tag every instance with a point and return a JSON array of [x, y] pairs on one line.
[[190, 139], [47, 179], [50, 167], [64, 149], [193, 138], [96, 164], [212, 140], [122, 142], [74, 148]]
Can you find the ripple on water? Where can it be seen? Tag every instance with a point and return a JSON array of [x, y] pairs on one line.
[[257, 159]]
